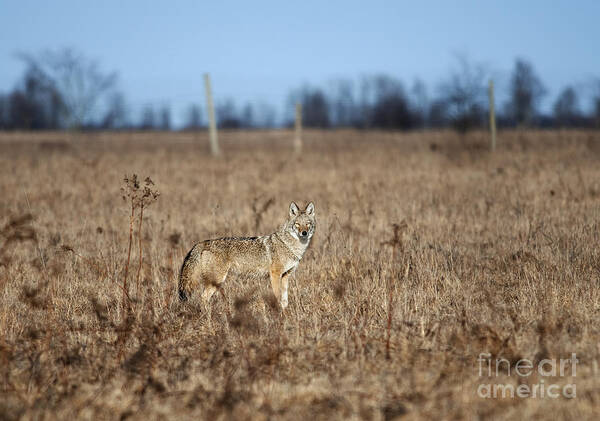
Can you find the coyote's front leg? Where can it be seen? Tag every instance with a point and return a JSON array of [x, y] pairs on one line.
[[276, 272], [284, 289]]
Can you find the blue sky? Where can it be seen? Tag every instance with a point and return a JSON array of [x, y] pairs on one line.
[[258, 51]]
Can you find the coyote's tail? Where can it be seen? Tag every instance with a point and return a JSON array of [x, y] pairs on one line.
[[186, 274]]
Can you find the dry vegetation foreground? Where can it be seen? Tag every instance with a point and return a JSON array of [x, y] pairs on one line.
[[494, 254]]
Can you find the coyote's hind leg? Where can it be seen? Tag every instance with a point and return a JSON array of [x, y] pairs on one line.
[[214, 274]]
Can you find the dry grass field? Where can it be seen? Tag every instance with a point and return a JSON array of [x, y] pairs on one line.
[[491, 254]]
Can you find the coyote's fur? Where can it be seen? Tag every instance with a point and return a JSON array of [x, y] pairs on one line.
[[277, 254]]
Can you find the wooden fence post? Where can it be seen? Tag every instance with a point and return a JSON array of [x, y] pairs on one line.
[[212, 124], [298, 129], [492, 116]]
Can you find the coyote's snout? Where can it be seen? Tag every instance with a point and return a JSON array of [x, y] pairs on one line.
[[277, 254]]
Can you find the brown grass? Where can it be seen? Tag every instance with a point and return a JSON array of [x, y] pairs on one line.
[[493, 254]]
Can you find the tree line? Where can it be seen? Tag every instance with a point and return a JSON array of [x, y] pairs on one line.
[[66, 90]]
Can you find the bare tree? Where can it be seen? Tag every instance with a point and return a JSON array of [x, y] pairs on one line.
[[34, 104], [421, 103], [596, 104], [526, 92], [79, 82], [315, 106], [116, 116], [193, 120], [165, 118], [391, 108], [148, 121], [566, 108], [437, 114], [4, 109], [247, 117], [342, 103], [382, 102], [463, 94], [227, 115]]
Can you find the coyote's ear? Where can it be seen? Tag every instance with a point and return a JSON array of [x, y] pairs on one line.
[[310, 209], [294, 211]]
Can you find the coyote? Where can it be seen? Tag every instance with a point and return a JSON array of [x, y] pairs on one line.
[[277, 254]]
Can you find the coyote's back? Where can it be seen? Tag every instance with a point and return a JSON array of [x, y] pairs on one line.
[[277, 254]]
